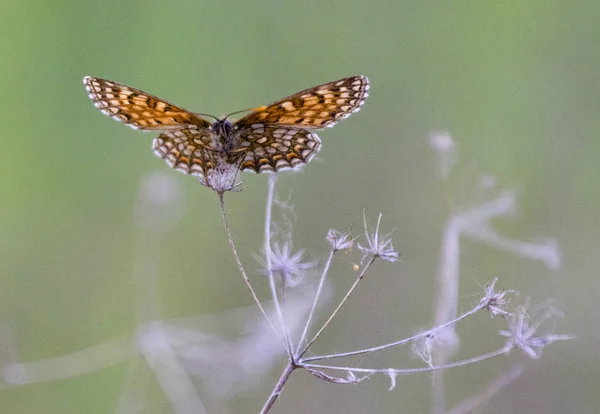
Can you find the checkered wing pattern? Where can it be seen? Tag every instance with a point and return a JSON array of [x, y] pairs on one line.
[[276, 147], [190, 150], [136, 108], [314, 108]]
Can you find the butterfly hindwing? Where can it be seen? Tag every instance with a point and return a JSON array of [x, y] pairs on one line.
[[276, 147], [187, 149]]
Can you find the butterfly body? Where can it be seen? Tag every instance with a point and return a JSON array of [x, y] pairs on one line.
[[268, 139], [224, 130]]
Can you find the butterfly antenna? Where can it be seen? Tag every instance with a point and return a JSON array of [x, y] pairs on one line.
[[245, 110], [208, 115]]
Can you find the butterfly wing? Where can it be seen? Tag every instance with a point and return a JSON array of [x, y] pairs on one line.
[[136, 108], [276, 147], [313, 108], [189, 149]]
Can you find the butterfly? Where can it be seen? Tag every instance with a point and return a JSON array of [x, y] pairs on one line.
[[268, 139]]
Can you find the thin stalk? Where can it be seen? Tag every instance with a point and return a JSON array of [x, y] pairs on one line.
[[316, 300], [432, 331], [342, 302], [500, 351], [446, 305], [241, 267], [285, 375], [268, 253]]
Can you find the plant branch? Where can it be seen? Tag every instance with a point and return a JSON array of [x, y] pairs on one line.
[[342, 302], [268, 256], [429, 332], [316, 299], [500, 351], [241, 267], [285, 375]]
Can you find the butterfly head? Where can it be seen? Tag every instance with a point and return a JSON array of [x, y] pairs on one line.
[[222, 127]]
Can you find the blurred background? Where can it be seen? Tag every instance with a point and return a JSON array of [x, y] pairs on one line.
[[515, 83]]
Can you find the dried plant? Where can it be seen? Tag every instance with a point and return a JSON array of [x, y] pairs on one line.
[[179, 351], [436, 345]]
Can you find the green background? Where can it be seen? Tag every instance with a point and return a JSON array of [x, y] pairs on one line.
[[517, 83]]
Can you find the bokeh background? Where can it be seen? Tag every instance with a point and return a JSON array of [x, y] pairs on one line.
[[516, 84]]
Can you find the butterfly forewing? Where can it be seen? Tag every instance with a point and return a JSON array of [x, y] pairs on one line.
[[317, 107], [275, 147], [137, 108]]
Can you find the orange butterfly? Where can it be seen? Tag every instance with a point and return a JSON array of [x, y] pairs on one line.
[[269, 138]]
